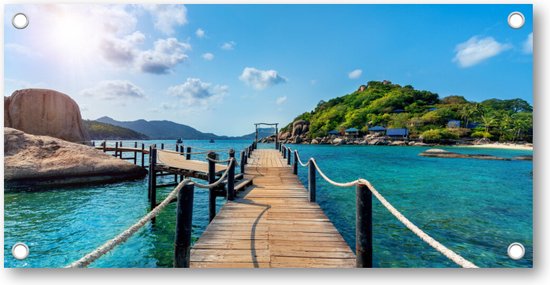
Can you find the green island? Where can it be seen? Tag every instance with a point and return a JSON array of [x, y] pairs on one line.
[[425, 117]]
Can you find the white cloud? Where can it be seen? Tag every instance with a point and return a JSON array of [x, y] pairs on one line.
[[167, 17], [261, 79], [354, 74], [208, 56], [164, 56], [200, 33], [528, 44], [114, 89], [21, 49], [121, 50], [476, 50], [280, 100], [229, 45], [196, 92], [114, 19]]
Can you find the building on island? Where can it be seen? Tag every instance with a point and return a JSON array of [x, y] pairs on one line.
[[334, 133], [352, 132], [377, 129], [453, 124], [401, 133]]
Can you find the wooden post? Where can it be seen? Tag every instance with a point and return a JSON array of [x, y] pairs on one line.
[[363, 231], [182, 152], [116, 149], [295, 164], [231, 177], [242, 161], [276, 136], [104, 146], [255, 145], [311, 182], [288, 156], [188, 155], [153, 178], [93, 143], [142, 155], [135, 153], [248, 153], [211, 179], [162, 146], [184, 224], [284, 152]]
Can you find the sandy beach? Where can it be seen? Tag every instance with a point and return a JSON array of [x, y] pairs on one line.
[[502, 146]]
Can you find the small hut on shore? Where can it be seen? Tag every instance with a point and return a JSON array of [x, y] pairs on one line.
[[398, 134], [352, 132], [377, 129]]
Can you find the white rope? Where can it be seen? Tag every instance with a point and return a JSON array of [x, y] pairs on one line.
[[348, 184], [122, 237], [300, 161], [214, 184], [416, 230]]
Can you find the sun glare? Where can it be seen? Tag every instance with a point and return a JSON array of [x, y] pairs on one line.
[[72, 36]]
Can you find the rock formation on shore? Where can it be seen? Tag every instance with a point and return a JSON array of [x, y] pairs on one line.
[[45, 112], [44, 160]]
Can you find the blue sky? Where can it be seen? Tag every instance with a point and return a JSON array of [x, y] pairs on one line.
[[220, 68]]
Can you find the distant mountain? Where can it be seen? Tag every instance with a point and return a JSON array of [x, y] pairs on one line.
[[104, 131], [162, 129], [262, 133]]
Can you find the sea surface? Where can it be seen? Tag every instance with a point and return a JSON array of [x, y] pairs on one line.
[[474, 207]]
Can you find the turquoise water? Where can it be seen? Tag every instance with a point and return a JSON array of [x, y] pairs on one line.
[[475, 207]]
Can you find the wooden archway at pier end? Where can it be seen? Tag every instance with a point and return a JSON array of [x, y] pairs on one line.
[[276, 133]]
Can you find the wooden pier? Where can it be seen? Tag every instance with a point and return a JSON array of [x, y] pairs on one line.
[[271, 224]]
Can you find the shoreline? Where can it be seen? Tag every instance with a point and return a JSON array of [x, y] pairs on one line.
[[500, 146]]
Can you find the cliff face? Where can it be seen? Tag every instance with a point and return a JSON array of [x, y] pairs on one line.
[[45, 112]]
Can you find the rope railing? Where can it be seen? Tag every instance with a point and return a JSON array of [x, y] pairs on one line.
[[450, 254], [220, 180], [125, 235]]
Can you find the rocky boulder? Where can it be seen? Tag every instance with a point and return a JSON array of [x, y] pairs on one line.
[[45, 112], [284, 136], [300, 127], [338, 141], [44, 160]]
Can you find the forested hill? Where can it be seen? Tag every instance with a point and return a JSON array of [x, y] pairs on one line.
[[422, 112], [103, 131]]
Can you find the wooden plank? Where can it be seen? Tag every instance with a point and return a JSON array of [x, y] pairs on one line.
[[271, 224]]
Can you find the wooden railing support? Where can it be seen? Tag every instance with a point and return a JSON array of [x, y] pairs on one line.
[[142, 155], [295, 164], [188, 155], [231, 177], [184, 224], [363, 231], [243, 161], [211, 179], [116, 149], [152, 178], [288, 156], [311, 182], [284, 152]]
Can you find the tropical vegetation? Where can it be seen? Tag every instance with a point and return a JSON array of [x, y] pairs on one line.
[[427, 116]]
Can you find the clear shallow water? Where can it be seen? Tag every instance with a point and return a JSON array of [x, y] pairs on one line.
[[475, 207]]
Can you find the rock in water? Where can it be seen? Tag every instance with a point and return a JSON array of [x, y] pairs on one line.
[[45, 112], [43, 160], [435, 152]]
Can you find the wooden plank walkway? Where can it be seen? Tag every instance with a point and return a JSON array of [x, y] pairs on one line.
[[271, 224]]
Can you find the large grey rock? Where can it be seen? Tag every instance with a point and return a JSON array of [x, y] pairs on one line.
[[45, 112], [46, 160], [300, 127]]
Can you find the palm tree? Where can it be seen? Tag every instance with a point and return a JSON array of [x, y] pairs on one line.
[[488, 121], [466, 113]]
